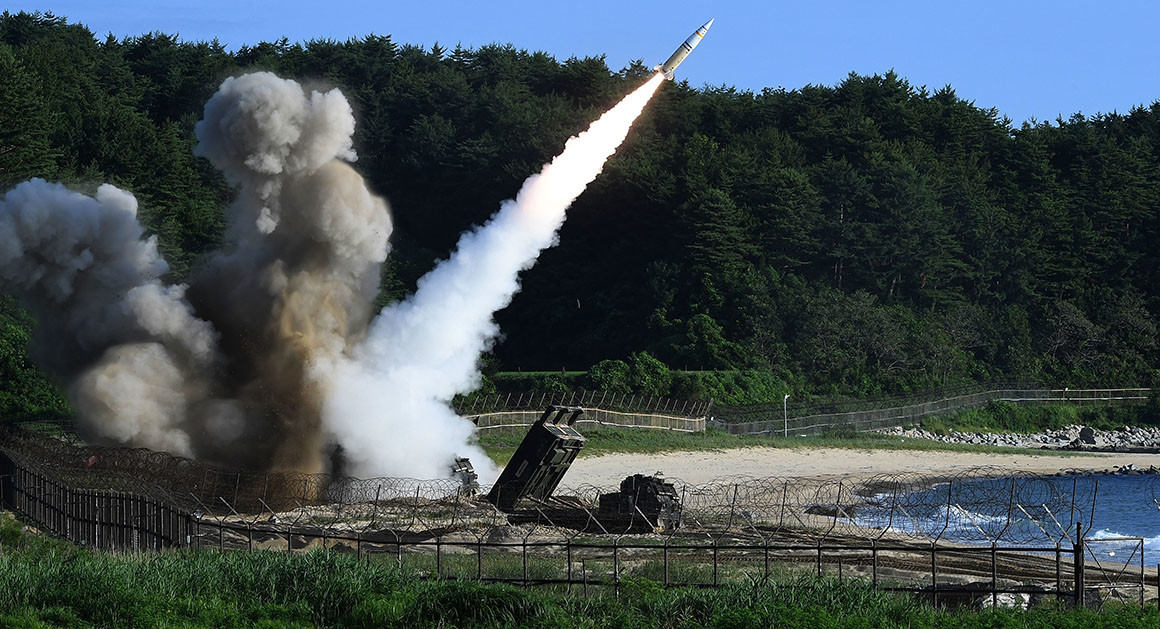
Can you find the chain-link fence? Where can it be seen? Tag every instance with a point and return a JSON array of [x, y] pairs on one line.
[[865, 415], [973, 535], [519, 410], [621, 402], [624, 410]]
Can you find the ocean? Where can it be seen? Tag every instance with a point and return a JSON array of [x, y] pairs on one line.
[[1026, 511]]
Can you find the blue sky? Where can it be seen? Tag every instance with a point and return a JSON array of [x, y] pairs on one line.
[[1029, 59]]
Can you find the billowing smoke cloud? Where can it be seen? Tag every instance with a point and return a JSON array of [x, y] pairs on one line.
[[235, 366], [422, 351], [268, 356], [294, 286], [82, 266]]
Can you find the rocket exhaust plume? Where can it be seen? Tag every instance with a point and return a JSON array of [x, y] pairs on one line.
[[419, 353], [268, 357]]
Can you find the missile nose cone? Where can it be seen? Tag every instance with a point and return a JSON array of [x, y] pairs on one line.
[[708, 24]]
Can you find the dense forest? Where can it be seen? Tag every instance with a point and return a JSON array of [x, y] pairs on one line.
[[865, 238]]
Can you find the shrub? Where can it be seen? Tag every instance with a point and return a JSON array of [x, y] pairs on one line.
[[647, 375], [609, 375], [550, 384]]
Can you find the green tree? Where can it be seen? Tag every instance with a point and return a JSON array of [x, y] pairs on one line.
[[609, 375], [25, 145], [870, 236], [25, 391], [647, 375], [719, 243]]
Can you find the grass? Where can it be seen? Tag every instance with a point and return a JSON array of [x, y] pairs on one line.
[[685, 568], [49, 584], [501, 444]]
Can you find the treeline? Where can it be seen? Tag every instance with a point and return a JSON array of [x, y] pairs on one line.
[[870, 237], [642, 374]]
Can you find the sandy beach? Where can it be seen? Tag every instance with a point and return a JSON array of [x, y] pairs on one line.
[[827, 463]]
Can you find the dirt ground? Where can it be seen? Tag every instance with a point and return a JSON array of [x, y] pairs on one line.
[[827, 463]]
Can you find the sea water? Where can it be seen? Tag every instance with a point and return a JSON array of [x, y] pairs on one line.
[[1027, 511]]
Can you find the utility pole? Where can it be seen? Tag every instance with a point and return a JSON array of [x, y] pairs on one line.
[[785, 415]]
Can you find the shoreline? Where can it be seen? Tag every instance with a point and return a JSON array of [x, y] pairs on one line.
[[827, 464], [1073, 438]]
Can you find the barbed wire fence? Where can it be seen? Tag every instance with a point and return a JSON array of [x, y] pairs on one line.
[[798, 418], [605, 400], [974, 536], [602, 408], [626, 410], [971, 535], [812, 418]]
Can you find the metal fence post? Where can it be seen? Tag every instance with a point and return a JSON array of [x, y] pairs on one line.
[[616, 567], [765, 549], [934, 573], [666, 562], [994, 577], [1142, 574], [715, 546], [584, 574], [1078, 550], [7, 473]]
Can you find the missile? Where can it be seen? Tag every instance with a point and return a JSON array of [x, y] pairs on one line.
[[677, 57]]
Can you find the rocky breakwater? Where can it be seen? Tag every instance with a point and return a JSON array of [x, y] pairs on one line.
[[1124, 439]]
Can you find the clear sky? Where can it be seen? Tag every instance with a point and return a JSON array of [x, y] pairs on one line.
[[1033, 58]]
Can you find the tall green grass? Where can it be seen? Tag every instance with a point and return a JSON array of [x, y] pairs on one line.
[[52, 584]]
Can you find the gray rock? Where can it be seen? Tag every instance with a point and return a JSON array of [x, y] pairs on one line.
[[1007, 600]]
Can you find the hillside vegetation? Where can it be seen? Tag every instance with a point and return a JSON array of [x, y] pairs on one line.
[[865, 238]]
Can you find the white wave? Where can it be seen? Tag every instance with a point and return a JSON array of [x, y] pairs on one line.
[[1151, 544], [960, 514]]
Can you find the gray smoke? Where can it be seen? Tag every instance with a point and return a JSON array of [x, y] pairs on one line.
[[269, 357], [134, 352], [294, 287], [243, 380]]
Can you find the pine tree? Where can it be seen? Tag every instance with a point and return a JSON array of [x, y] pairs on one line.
[[25, 146]]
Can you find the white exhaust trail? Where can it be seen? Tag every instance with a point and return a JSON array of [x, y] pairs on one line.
[[389, 404]]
